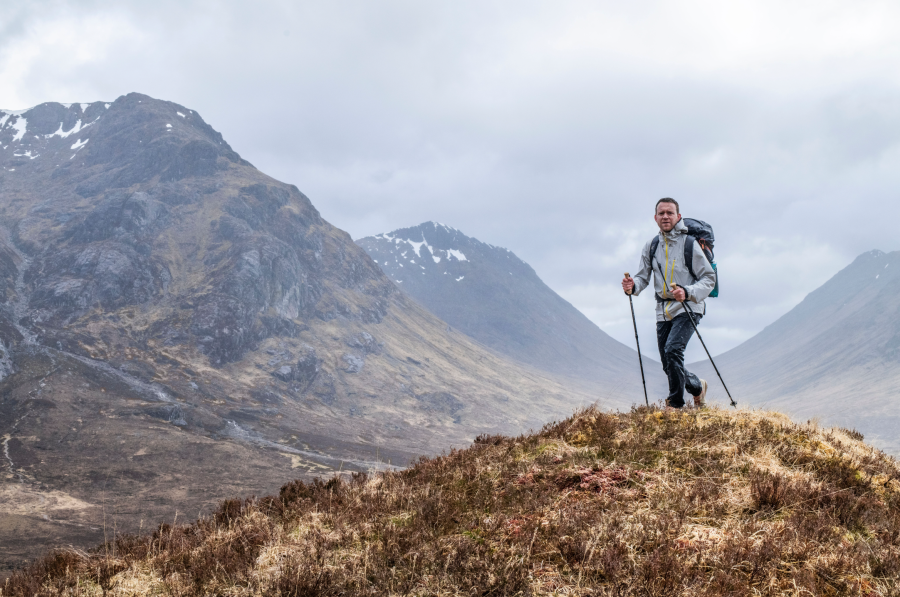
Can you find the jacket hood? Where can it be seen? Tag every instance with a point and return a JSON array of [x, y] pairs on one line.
[[679, 229]]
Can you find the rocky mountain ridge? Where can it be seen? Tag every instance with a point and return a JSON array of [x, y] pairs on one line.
[[176, 327], [496, 298], [92, 240]]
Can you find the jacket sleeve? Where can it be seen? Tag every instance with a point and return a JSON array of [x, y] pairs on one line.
[[642, 277], [706, 276]]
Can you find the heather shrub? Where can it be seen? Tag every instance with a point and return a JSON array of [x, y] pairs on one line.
[[640, 503]]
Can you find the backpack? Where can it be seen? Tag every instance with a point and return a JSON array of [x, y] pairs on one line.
[[701, 232]]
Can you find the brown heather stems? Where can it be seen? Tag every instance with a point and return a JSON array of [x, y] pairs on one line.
[[641, 503]]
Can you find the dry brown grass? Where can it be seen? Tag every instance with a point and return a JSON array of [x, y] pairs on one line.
[[642, 503]]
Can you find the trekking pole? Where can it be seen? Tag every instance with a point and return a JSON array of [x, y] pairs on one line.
[[691, 317], [638, 342]]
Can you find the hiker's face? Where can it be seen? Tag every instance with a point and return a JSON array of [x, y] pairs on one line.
[[665, 217]]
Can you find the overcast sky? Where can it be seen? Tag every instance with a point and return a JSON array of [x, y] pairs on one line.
[[549, 128]]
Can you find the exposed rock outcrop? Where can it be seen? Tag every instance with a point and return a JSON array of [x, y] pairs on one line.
[[176, 305]]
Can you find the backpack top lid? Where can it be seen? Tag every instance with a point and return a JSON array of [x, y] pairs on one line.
[[703, 232]]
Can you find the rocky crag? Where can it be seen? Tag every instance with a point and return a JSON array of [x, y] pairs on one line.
[[178, 327]]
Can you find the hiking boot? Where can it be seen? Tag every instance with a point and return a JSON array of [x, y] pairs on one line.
[[700, 400]]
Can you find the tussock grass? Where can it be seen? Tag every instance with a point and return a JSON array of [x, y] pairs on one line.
[[706, 502]]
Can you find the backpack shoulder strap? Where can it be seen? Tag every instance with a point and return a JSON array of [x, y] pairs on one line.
[[654, 245], [689, 254]]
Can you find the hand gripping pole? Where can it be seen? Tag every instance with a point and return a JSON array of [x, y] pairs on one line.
[[638, 342]]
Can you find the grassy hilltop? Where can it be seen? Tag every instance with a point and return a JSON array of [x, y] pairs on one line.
[[708, 502]]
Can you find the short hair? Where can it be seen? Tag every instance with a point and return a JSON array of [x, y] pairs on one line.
[[667, 200]]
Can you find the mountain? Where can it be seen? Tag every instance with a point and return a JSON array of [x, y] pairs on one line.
[[177, 328], [643, 503], [835, 356], [490, 294]]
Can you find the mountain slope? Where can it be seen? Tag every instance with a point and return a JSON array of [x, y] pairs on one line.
[[498, 299], [835, 356], [690, 503], [176, 326]]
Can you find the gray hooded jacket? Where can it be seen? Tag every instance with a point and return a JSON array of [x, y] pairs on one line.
[[668, 267]]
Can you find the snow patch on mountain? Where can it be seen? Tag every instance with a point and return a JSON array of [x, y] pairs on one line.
[[61, 133], [20, 126], [417, 245], [15, 120], [398, 241]]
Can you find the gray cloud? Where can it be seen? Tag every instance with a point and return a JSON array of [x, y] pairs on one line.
[[549, 129]]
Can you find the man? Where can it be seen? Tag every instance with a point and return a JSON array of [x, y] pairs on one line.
[[674, 285]]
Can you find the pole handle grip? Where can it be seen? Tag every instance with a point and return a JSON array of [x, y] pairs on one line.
[[627, 275]]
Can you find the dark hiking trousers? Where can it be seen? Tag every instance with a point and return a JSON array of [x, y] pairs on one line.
[[672, 338]]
